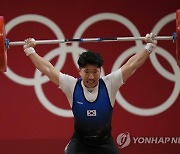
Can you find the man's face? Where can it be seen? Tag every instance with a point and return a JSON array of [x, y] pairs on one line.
[[90, 75]]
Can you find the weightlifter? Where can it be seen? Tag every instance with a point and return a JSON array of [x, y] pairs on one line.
[[91, 97]]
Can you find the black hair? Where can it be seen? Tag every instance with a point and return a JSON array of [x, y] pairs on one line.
[[90, 57]]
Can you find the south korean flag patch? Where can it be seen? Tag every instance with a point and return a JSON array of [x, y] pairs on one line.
[[91, 113]]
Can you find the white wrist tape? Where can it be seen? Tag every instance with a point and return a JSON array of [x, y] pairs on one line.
[[29, 51], [150, 47]]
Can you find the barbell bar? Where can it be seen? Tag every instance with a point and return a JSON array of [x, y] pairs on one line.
[[17, 43], [5, 43]]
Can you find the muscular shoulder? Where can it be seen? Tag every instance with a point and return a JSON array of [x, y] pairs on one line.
[[66, 81], [114, 78], [113, 82]]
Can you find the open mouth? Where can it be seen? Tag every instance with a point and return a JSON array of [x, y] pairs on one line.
[[91, 82]]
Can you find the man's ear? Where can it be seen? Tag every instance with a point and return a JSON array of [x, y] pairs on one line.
[[79, 70]]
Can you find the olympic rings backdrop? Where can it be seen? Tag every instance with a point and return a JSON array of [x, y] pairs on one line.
[[35, 116]]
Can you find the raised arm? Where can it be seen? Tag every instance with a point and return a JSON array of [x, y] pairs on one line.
[[41, 64], [139, 58]]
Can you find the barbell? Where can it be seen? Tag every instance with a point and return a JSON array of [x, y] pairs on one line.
[[5, 43]]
